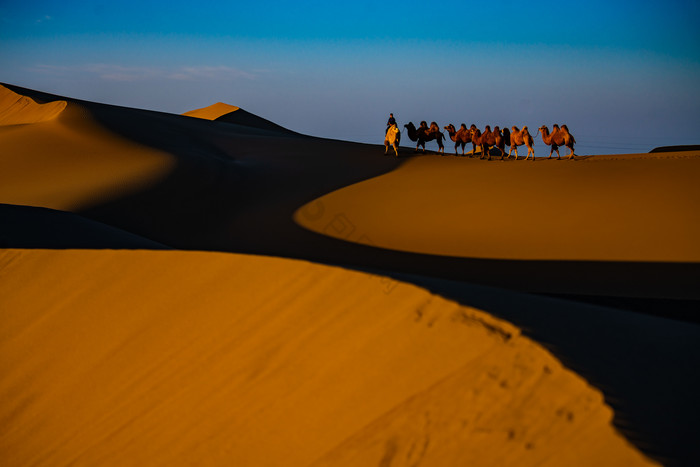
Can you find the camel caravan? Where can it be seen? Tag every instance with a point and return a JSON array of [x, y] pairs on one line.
[[486, 141]]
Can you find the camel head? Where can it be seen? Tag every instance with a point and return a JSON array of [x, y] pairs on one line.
[[451, 128], [543, 129]]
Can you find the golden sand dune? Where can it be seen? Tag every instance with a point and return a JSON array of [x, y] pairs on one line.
[[143, 357], [170, 358], [212, 112], [16, 109], [71, 161], [231, 114], [606, 208]]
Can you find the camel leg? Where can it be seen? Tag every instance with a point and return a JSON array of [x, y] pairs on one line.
[[571, 156], [558, 155], [396, 150]]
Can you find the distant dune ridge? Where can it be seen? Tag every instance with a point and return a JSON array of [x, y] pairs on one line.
[[212, 112], [231, 114], [67, 159], [240, 356], [16, 109]]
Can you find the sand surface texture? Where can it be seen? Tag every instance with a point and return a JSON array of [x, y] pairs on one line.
[[247, 351], [172, 358]]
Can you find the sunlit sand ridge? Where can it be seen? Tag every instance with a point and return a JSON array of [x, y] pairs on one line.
[[607, 208], [212, 112], [16, 109], [169, 358], [57, 156]]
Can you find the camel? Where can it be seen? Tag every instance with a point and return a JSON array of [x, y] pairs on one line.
[[499, 140], [392, 138], [460, 137], [423, 134], [487, 140], [568, 137], [481, 140], [557, 138], [518, 138]]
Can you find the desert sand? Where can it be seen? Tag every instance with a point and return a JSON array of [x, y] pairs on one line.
[[602, 208], [212, 112], [220, 290]]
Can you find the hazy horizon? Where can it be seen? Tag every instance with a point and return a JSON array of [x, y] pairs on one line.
[[622, 75]]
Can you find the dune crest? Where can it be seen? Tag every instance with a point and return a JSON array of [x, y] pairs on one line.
[[267, 361], [16, 109], [212, 112]]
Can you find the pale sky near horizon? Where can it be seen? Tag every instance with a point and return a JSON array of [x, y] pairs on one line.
[[623, 75]]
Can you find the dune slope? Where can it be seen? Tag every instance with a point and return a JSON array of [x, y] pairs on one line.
[[70, 161], [166, 358], [16, 109], [604, 208]]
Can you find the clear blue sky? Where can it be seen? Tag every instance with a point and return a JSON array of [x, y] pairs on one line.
[[623, 75]]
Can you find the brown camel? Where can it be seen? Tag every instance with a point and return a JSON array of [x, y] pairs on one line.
[[499, 140], [557, 138], [518, 138], [489, 139], [423, 134], [568, 137], [481, 140], [460, 137]]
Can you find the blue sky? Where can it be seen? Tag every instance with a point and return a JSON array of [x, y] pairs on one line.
[[623, 75]]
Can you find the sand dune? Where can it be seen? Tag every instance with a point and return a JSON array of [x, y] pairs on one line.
[[16, 109], [605, 208], [69, 161], [217, 359], [212, 112], [170, 357]]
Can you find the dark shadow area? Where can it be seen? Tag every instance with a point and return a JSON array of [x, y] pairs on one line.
[[31, 227], [244, 118]]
